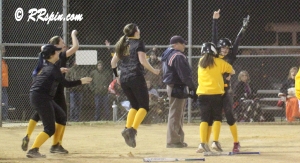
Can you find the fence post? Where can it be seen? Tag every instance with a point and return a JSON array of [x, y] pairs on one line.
[[65, 23], [115, 111], [65, 38], [189, 51]]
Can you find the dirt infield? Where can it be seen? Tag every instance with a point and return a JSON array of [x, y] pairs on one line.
[[103, 143]]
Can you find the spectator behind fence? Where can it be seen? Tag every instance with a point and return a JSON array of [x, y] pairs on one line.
[[246, 97], [105, 55], [155, 63], [76, 93], [288, 90], [4, 86], [115, 91], [99, 86], [154, 103]]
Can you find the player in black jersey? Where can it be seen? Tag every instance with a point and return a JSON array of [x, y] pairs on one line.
[[130, 51], [228, 52], [42, 92], [59, 97]]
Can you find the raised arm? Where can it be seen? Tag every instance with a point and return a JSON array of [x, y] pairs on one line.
[[240, 35], [216, 16], [75, 44], [109, 50], [231, 57]]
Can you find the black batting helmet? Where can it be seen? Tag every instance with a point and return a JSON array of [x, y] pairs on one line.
[[209, 48], [224, 42]]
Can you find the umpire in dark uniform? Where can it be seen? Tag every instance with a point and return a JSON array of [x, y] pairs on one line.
[[177, 75]]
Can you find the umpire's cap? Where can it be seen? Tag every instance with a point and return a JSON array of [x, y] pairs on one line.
[[177, 39]]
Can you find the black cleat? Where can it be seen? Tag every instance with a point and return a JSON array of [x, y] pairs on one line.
[[129, 136], [34, 153], [58, 149], [25, 142]]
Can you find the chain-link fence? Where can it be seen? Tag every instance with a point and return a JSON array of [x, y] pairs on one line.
[[267, 52]]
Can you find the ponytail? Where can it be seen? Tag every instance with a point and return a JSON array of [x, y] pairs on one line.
[[39, 65], [122, 47], [207, 61]]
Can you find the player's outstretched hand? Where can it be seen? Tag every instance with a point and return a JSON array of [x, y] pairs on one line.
[[246, 22], [216, 14], [107, 43], [86, 80]]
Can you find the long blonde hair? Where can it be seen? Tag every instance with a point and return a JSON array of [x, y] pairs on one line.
[[207, 61]]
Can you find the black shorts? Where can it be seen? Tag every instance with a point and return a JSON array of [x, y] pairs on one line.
[[136, 92], [211, 107]]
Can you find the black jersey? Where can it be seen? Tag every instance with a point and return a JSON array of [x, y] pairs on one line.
[[231, 56], [48, 78], [62, 62], [130, 65]]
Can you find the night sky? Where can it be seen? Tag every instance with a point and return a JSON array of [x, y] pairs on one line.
[[157, 19]]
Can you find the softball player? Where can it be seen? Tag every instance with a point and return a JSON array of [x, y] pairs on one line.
[[130, 51], [210, 91], [42, 92], [228, 52], [59, 97]]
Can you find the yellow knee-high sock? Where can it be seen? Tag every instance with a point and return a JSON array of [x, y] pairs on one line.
[[234, 133], [40, 139], [130, 117], [58, 131], [216, 130], [203, 131], [208, 133], [139, 117], [31, 125], [62, 135]]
